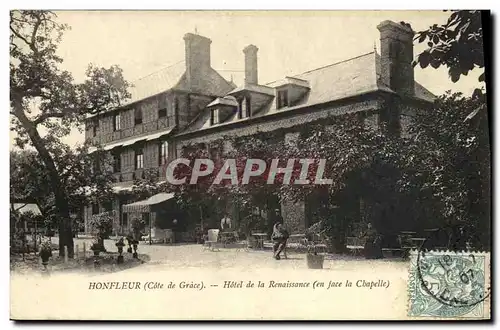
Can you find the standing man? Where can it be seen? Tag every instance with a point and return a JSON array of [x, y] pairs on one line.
[[225, 223]]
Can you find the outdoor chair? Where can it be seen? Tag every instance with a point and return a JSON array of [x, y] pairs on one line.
[[355, 245], [405, 241], [319, 242], [169, 236], [212, 241]]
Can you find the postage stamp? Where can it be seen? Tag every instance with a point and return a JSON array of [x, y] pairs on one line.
[[163, 162], [445, 284]]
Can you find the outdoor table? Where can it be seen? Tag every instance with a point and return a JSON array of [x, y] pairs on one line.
[[227, 236], [259, 237]]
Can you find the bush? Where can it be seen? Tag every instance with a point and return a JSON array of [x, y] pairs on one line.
[[253, 222], [102, 224]]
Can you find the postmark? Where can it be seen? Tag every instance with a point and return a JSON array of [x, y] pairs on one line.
[[446, 284]]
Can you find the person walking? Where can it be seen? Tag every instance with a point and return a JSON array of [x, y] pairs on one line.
[[280, 236]]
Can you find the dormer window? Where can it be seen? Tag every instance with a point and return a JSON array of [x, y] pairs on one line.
[[282, 99], [214, 120], [137, 117], [244, 108]]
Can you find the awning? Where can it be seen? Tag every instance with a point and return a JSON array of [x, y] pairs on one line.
[[25, 208], [145, 205], [134, 140], [158, 135], [107, 147]]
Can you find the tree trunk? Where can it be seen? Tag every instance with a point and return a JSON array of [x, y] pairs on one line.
[[61, 201]]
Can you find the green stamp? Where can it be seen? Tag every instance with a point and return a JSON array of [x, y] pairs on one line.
[[444, 284]]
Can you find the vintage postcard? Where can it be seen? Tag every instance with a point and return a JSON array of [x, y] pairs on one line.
[[249, 165]]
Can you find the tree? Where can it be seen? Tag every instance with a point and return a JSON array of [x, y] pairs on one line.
[[457, 44], [457, 142], [83, 182], [147, 186], [446, 162], [42, 95]]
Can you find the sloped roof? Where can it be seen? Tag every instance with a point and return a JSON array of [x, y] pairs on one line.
[[339, 80], [209, 83], [157, 82], [423, 93], [173, 77], [226, 100], [355, 76]]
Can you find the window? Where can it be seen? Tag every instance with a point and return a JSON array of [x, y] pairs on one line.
[[163, 153], [95, 208], [282, 99], [116, 163], [117, 122], [248, 107], [137, 117], [139, 159], [162, 113], [95, 128], [244, 108], [215, 116]]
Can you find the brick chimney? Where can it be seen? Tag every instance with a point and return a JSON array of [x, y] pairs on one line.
[[396, 48], [197, 58], [251, 74]]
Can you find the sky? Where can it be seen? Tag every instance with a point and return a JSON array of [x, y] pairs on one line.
[[289, 42]]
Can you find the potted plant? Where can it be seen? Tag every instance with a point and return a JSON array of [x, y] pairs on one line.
[[314, 260], [96, 247], [45, 253], [120, 244], [102, 225]]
